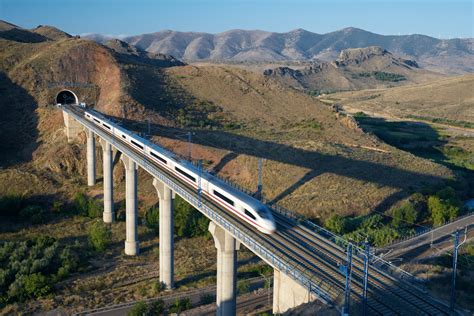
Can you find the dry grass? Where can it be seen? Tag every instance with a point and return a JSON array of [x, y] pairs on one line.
[[451, 98]]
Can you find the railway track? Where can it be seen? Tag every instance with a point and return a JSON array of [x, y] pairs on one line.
[[320, 258], [404, 298]]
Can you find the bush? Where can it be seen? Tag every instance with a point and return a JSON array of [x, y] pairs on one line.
[[156, 308], [152, 218], [36, 285], [404, 215], [243, 287], [81, 204], [139, 309], [336, 223], [94, 208], [180, 305], [188, 221], [158, 286], [444, 206], [99, 236]]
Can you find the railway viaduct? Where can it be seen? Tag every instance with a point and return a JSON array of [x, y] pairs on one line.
[[302, 272]]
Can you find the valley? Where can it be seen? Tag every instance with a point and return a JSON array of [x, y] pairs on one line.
[[350, 142]]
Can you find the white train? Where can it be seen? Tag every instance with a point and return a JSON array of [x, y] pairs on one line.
[[236, 202]]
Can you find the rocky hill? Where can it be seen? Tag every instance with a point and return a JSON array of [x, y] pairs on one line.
[[354, 69], [237, 115], [448, 56]]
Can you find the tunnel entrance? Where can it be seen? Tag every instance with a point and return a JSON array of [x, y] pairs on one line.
[[66, 97]]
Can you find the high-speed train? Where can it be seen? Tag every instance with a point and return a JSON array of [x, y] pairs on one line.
[[236, 202]]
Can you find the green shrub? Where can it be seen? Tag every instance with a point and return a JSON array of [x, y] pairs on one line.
[[99, 236], [94, 208], [81, 204], [152, 218], [404, 215], [36, 285], [336, 223], [156, 307], [57, 207], [444, 206], [139, 309], [180, 305], [34, 214], [188, 221], [243, 287]]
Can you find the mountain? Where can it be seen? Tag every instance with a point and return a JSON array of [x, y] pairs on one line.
[[354, 69], [449, 56]]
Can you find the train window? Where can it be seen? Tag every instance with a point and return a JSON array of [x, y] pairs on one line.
[[249, 214], [88, 115], [123, 136], [157, 157], [106, 126], [97, 121], [137, 144], [225, 198], [184, 173]]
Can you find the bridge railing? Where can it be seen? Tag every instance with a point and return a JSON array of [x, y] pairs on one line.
[[298, 273]]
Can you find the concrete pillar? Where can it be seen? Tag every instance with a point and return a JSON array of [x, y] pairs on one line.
[[131, 203], [166, 231], [287, 293], [90, 158], [72, 127], [107, 156], [227, 248]]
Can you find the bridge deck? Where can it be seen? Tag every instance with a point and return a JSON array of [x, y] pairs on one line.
[[306, 256]]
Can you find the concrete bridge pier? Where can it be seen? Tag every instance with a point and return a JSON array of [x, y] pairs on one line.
[[131, 205], [72, 127], [108, 215], [227, 247], [91, 172], [287, 293], [166, 231]]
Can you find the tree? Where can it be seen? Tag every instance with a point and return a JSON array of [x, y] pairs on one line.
[[99, 236]]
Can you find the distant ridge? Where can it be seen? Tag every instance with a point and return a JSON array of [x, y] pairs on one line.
[[452, 56]]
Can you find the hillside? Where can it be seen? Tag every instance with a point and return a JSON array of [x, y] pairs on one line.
[[354, 69], [253, 116], [451, 56], [451, 99], [317, 161]]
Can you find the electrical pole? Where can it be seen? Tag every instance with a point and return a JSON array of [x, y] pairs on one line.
[[366, 275], [189, 146], [259, 185], [455, 266], [347, 291]]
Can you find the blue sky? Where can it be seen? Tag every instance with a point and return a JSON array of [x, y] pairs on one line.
[[438, 18]]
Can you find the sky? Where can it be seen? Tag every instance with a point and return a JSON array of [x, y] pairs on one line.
[[437, 18]]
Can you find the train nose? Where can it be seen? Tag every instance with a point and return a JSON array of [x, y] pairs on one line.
[[271, 226]]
